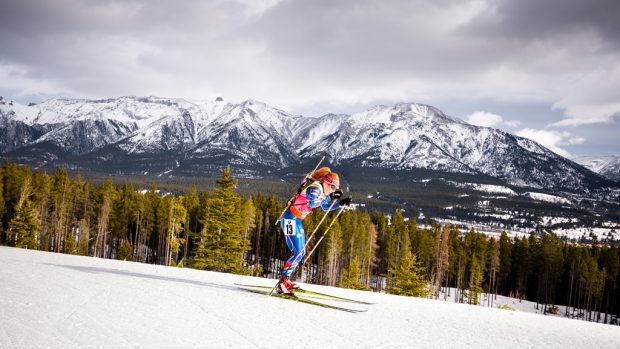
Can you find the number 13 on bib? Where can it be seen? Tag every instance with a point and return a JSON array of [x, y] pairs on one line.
[[289, 227]]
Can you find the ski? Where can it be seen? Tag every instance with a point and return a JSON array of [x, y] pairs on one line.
[[302, 300], [313, 293]]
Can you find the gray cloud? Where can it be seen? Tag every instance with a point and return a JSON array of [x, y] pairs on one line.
[[534, 20]]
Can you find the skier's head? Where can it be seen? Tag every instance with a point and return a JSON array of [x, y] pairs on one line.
[[331, 182]]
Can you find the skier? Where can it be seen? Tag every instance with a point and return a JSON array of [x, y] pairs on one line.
[[324, 191]]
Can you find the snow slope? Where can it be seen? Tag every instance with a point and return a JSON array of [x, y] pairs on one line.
[[608, 166], [60, 301]]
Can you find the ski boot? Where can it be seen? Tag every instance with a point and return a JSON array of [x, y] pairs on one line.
[[285, 286], [291, 285]]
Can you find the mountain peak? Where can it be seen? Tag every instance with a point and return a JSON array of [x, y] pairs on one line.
[[253, 103], [388, 114]]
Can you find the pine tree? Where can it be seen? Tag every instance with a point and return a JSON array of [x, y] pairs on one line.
[[351, 275], [610, 262], [25, 227], [379, 220], [107, 193], [61, 196], [494, 263], [475, 281], [248, 218], [457, 264], [440, 262], [71, 243], [13, 177], [122, 223], [332, 254], [550, 262], [365, 240], [84, 237], [520, 266], [191, 219], [42, 206], [398, 242], [142, 220], [505, 256], [82, 214], [408, 279], [125, 252], [221, 246], [176, 220]]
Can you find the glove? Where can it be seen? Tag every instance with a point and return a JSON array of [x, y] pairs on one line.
[[345, 202], [336, 194]]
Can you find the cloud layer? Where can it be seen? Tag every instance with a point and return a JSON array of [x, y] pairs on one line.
[[485, 119], [553, 140]]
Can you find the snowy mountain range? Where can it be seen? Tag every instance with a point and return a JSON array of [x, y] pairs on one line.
[[136, 135], [607, 166]]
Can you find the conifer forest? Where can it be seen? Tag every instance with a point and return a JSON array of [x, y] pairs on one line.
[[221, 230]]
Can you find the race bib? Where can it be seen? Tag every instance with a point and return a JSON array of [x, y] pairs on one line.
[[289, 227]]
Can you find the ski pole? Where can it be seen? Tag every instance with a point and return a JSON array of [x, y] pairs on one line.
[[318, 225], [301, 187], [303, 263], [321, 239]]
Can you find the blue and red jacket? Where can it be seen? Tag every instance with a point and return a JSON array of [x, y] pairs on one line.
[[311, 198]]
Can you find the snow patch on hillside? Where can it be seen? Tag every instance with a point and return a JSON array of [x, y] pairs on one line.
[[588, 233], [487, 188], [599, 164], [547, 198]]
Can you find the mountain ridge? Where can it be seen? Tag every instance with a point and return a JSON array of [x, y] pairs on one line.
[[261, 140], [607, 166]]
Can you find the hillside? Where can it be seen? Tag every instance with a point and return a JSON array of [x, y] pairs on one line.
[[408, 155], [63, 301], [607, 166]]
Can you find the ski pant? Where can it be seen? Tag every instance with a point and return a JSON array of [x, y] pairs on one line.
[[295, 241]]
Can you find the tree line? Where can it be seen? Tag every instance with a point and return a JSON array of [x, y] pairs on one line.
[[221, 230]]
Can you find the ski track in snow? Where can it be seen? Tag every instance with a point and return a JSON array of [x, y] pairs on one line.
[[50, 300]]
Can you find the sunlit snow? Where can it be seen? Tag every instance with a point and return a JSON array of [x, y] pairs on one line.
[[61, 301]]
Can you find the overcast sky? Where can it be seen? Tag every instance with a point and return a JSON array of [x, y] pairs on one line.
[[544, 69]]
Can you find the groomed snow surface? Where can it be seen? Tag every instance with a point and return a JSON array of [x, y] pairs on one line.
[[50, 300]]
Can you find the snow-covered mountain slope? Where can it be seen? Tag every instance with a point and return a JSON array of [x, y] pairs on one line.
[[15, 134], [252, 132], [62, 301], [607, 166], [409, 135], [81, 126], [261, 139], [392, 137]]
